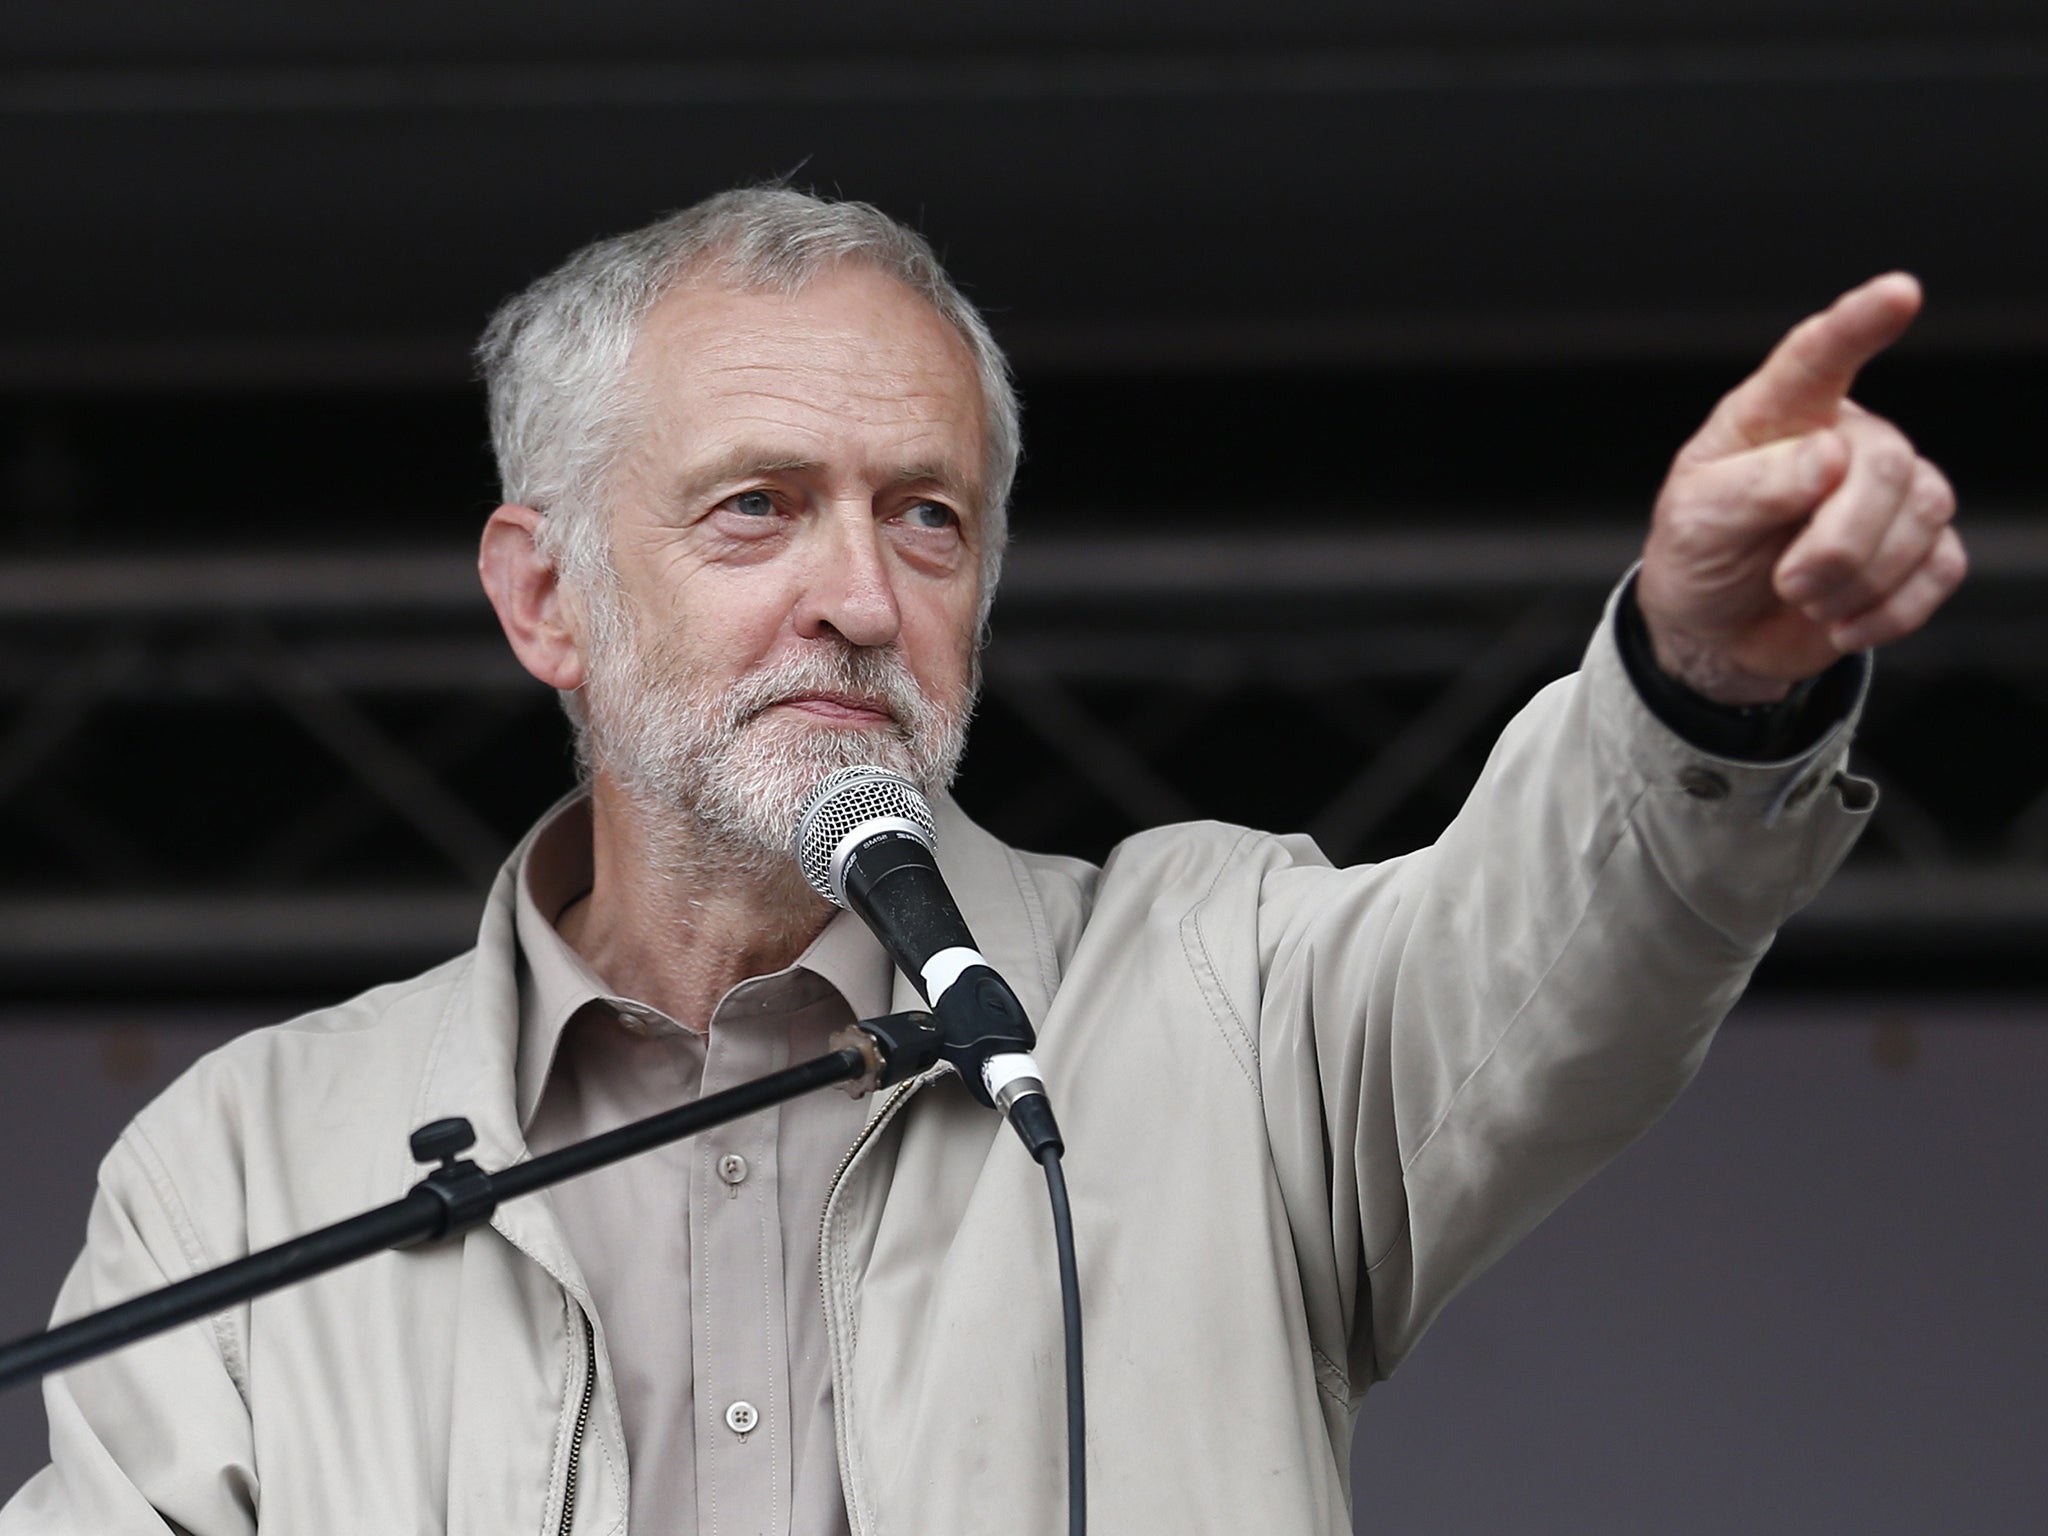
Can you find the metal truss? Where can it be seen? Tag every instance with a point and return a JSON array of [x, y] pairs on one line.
[[1416, 649], [236, 772]]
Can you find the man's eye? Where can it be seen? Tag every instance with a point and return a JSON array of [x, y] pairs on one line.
[[753, 504], [929, 514]]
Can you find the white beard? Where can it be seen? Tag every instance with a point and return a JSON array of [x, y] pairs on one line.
[[716, 756]]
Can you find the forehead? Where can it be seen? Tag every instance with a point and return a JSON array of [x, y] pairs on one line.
[[854, 358]]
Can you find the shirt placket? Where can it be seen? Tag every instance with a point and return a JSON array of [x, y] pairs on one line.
[[740, 1335]]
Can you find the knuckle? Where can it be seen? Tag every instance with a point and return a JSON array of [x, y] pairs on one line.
[[1832, 557], [1951, 561], [1919, 521], [1815, 330], [1938, 493], [1889, 461], [1733, 405]]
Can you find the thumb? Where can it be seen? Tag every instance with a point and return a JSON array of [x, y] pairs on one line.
[[1804, 381], [1759, 491]]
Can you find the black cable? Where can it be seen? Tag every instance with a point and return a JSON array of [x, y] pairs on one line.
[[1070, 1310]]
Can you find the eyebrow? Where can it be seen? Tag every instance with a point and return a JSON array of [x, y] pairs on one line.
[[740, 464], [940, 473], [751, 464]]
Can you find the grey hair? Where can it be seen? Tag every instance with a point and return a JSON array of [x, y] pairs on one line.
[[554, 357]]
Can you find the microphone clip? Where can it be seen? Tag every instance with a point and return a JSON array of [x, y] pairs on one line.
[[980, 1018]]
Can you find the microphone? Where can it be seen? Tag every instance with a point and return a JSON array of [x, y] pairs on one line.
[[865, 840]]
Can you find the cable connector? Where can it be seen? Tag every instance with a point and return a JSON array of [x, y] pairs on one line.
[[1030, 1116]]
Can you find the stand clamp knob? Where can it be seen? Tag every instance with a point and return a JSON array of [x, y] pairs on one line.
[[462, 1191], [442, 1141]]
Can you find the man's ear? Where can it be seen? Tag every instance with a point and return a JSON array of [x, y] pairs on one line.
[[540, 618]]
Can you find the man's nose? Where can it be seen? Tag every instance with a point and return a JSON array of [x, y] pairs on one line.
[[850, 593]]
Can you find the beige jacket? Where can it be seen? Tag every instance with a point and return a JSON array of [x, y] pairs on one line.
[[1303, 1106]]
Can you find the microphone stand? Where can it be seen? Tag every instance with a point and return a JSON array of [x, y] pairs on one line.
[[458, 1195]]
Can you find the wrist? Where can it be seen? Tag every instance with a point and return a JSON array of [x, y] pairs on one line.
[[1701, 669], [1767, 730]]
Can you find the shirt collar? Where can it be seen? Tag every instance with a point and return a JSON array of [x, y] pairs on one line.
[[555, 982]]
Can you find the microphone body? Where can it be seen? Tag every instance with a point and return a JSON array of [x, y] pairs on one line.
[[865, 840]]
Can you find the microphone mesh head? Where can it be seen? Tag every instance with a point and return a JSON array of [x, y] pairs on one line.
[[843, 802]]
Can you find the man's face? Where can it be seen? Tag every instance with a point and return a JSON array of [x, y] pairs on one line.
[[797, 539]]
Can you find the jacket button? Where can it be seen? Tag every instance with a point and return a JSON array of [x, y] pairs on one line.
[[732, 1168], [1703, 784], [741, 1417]]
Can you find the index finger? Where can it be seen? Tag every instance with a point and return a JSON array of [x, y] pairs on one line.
[[1802, 384]]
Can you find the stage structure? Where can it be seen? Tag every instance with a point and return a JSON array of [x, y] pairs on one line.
[[230, 773]]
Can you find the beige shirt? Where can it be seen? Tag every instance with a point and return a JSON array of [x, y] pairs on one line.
[[702, 1256]]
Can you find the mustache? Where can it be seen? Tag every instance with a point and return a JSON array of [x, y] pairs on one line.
[[879, 676]]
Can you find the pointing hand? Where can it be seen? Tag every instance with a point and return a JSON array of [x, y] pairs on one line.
[[1796, 527]]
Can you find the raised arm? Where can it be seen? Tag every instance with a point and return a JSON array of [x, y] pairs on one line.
[[1477, 1028]]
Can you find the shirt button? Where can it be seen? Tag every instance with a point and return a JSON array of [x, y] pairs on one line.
[[733, 1169], [1703, 784], [741, 1417], [635, 1016]]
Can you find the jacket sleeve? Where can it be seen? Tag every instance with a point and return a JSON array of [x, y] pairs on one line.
[[1452, 1042], [154, 1438]]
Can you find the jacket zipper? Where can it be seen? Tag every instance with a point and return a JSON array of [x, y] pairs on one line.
[[582, 1423], [880, 1118]]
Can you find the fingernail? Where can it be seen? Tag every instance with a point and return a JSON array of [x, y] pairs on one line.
[[1798, 587]]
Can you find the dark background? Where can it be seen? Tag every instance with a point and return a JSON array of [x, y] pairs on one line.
[[1353, 346], [1353, 343]]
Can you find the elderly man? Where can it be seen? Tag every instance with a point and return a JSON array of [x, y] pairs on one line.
[[755, 461]]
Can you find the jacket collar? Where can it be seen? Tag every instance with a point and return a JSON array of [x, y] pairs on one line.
[[1001, 906], [472, 1069]]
